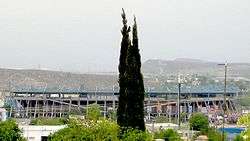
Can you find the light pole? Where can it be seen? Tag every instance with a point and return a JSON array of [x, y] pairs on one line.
[[224, 98], [178, 100]]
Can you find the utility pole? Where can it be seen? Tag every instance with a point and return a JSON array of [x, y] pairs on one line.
[[178, 101], [224, 99], [149, 107]]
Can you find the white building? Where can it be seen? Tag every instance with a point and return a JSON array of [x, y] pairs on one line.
[[39, 133]]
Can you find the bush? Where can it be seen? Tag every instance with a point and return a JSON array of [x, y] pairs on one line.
[[212, 134], [49, 121], [169, 135], [9, 131], [198, 122], [94, 112], [77, 130], [101, 130], [136, 135], [244, 120]]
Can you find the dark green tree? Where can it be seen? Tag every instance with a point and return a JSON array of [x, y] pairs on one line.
[[125, 43], [130, 112], [135, 85]]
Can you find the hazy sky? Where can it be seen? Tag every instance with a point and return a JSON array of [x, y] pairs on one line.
[[81, 35]]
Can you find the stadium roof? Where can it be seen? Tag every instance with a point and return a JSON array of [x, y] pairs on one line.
[[173, 88]]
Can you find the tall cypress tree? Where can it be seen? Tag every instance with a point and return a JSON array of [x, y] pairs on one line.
[[135, 85], [130, 112], [125, 43]]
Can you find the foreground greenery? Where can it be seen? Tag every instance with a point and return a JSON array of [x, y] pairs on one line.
[[199, 122], [106, 130], [244, 120], [212, 134], [102, 130], [96, 128], [87, 130], [9, 131], [169, 135]]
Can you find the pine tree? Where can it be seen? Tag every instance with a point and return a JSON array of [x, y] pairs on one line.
[[122, 107]]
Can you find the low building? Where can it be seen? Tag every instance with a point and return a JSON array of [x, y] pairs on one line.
[[39, 133]]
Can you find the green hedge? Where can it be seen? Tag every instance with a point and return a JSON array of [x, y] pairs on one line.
[[49, 121]]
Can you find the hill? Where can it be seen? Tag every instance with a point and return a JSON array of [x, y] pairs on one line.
[[193, 66], [11, 78], [157, 73]]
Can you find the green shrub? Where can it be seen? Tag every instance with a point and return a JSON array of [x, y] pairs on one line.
[[9, 131], [168, 134], [77, 130], [244, 120], [136, 135], [49, 121], [94, 112], [101, 130], [198, 122], [212, 134]]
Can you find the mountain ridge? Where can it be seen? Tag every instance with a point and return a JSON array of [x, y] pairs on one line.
[[193, 66], [9, 78]]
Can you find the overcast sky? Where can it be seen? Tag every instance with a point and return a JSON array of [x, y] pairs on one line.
[[81, 36]]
